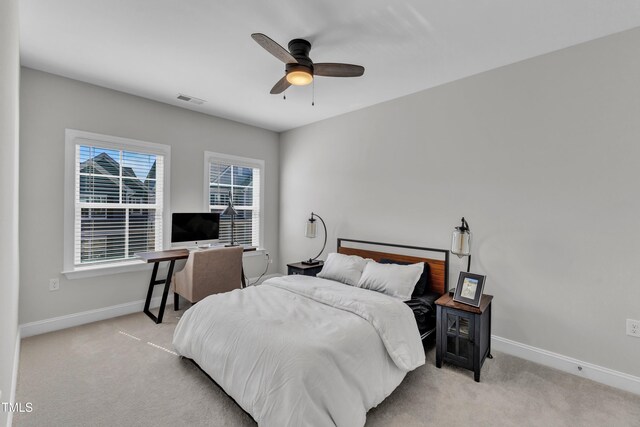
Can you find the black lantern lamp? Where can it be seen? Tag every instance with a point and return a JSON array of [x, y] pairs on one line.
[[232, 213], [310, 232], [461, 241]]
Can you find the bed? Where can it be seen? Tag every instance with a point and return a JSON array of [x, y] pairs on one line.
[[300, 350]]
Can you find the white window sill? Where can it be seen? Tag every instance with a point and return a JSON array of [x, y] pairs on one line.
[[129, 266], [104, 270], [257, 252]]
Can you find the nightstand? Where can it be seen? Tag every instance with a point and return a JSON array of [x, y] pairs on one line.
[[304, 269], [463, 333]]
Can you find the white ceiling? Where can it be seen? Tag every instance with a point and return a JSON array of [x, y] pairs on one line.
[[159, 48]]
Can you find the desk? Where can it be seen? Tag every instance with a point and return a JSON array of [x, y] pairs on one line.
[[170, 256]]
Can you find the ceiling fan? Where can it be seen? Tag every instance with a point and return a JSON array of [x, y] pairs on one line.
[[299, 68]]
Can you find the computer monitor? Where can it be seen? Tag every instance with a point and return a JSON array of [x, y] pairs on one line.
[[194, 229]]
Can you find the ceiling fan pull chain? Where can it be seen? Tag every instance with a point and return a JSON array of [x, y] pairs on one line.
[[313, 93]]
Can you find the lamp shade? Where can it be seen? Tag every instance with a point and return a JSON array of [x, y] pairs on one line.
[[461, 240], [311, 228], [229, 210]]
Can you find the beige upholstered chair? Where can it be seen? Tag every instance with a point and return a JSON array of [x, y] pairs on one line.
[[209, 271]]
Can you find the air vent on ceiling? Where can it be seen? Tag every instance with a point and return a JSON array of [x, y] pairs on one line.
[[191, 99]]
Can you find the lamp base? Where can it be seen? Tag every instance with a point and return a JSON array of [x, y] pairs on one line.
[[230, 245], [311, 262]]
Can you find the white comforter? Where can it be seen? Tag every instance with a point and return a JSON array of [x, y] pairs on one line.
[[302, 351]]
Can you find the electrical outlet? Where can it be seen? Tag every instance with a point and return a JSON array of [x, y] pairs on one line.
[[54, 284], [633, 328]]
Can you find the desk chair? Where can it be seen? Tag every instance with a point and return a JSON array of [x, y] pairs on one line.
[[209, 271]]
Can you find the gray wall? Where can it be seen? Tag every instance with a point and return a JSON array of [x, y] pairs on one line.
[[9, 270], [49, 104], [540, 156]]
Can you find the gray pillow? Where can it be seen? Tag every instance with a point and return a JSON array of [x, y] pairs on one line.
[[392, 279], [343, 268], [423, 282]]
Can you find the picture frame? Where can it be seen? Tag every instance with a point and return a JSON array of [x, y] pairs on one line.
[[469, 288]]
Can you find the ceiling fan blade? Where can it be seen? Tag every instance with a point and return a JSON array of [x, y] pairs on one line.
[[329, 69], [274, 48], [281, 86]]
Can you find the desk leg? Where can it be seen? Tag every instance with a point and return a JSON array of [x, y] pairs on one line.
[[165, 293], [176, 302], [152, 284]]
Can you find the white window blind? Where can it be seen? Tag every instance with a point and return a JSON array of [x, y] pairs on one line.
[[118, 203], [240, 180]]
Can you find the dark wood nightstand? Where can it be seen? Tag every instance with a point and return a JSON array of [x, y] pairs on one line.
[[304, 269], [463, 333]]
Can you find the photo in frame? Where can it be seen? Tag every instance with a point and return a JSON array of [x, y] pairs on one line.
[[469, 288]]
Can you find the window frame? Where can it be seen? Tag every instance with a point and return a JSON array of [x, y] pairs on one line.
[[75, 137], [237, 161]]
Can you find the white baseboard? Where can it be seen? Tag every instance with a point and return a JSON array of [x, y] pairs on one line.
[[14, 378], [573, 366], [77, 319]]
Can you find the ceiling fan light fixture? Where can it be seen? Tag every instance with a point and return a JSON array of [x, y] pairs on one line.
[[299, 77]]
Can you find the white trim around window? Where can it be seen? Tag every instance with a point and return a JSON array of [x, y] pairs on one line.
[[76, 138], [210, 156]]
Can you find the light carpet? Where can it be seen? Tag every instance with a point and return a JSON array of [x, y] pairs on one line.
[[123, 372]]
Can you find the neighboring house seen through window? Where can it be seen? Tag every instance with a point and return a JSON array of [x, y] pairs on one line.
[[117, 197], [241, 179]]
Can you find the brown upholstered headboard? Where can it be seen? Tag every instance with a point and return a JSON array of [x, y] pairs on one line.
[[439, 268]]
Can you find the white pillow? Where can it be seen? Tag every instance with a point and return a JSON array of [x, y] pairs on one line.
[[391, 279], [343, 268]]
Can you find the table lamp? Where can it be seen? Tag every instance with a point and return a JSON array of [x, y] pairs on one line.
[[232, 213], [310, 232], [461, 241]]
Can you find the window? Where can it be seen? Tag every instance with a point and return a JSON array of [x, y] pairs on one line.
[[114, 199], [238, 178]]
